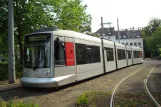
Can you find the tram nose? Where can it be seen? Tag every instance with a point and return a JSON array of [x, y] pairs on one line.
[[38, 73]]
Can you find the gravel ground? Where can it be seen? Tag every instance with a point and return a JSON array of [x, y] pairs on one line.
[[133, 89], [66, 96]]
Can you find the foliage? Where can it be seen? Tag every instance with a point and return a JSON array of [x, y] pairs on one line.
[[14, 103], [82, 100], [160, 52], [4, 70], [152, 35], [3, 28], [72, 16], [154, 41], [152, 26]]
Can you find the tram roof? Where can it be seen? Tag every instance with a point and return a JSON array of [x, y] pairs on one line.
[[69, 33], [77, 35]]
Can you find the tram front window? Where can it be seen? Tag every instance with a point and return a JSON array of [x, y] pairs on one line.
[[37, 52]]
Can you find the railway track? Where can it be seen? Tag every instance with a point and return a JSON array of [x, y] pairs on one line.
[[147, 90], [144, 83]]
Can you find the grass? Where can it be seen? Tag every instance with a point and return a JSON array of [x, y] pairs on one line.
[[93, 99], [16, 103]]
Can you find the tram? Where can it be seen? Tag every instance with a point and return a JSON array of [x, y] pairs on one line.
[[54, 58]]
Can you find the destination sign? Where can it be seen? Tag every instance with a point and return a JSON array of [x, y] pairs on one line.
[[37, 38]]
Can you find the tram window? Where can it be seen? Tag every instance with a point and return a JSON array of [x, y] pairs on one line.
[[121, 54], [81, 53], [109, 54], [96, 54], [37, 51], [129, 54], [136, 54], [87, 54], [59, 51]]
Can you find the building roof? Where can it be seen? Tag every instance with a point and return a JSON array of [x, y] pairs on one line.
[[107, 31], [125, 34]]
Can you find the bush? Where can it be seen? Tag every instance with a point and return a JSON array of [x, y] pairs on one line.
[[82, 100], [18, 103], [4, 70]]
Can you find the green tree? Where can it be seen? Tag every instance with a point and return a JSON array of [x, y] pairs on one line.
[[152, 34], [154, 41], [72, 16], [3, 28]]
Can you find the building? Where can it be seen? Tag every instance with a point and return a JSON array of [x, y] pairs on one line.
[[128, 37]]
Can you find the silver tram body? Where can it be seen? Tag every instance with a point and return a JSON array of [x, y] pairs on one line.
[[56, 58]]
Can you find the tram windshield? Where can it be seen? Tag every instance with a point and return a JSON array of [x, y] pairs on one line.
[[37, 51]]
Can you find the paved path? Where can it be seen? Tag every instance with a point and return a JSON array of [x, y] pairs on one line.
[[4, 85]]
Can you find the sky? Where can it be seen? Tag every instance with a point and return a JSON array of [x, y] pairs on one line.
[[131, 13]]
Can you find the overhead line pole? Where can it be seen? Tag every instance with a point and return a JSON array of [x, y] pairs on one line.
[[103, 55], [11, 53], [102, 27], [118, 29]]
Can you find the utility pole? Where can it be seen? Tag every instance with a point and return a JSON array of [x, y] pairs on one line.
[[103, 55], [133, 32], [11, 53], [102, 27], [118, 32]]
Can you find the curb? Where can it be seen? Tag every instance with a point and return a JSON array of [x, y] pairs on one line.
[[10, 87]]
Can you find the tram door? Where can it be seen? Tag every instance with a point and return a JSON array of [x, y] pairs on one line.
[[64, 56]]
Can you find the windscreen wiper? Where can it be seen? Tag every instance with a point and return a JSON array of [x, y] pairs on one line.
[[34, 68]]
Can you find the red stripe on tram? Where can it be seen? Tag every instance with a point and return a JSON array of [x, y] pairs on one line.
[[69, 47]]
